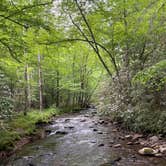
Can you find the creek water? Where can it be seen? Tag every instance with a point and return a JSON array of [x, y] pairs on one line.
[[80, 140]]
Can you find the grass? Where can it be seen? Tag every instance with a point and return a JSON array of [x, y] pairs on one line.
[[22, 125]]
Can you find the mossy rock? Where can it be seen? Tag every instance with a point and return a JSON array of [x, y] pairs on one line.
[[147, 151]]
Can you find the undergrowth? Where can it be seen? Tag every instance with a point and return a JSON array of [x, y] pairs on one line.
[[23, 125]]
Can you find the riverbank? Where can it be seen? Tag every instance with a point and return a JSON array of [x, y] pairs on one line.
[[22, 129]]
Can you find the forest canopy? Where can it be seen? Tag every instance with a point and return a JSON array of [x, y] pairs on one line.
[[56, 53]]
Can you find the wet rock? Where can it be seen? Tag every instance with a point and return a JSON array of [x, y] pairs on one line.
[[128, 136], [94, 112], [143, 142], [111, 163], [69, 127], [158, 155], [147, 151], [132, 156], [129, 143], [30, 164], [93, 142], [117, 159], [83, 120], [67, 120], [38, 147], [154, 139], [100, 145], [48, 131], [155, 145], [114, 130], [136, 143], [99, 132], [117, 146], [91, 127], [51, 122], [101, 122], [162, 148], [62, 132], [137, 136], [106, 122], [111, 142], [95, 129], [122, 138], [27, 157], [115, 123]]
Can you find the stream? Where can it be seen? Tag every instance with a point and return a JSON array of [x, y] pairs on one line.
[[81, 139]]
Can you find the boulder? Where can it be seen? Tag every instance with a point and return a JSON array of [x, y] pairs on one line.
[[154, 139], [147, 151]]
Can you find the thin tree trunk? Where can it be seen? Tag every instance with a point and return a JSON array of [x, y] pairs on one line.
[[40, 83], [57, 93], [26, 90]]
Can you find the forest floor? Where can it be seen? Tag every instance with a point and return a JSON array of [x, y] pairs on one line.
[[84, 139]]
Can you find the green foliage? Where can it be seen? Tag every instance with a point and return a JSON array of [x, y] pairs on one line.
[[6, 107], [22, 125], [153, 77], [7, 139], [145, 121]]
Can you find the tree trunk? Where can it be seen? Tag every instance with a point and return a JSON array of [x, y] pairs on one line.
[[40, 83], [57, 92]]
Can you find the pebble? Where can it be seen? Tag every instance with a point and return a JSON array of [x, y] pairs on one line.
[[114, 130], [117, 145], [128, 136]]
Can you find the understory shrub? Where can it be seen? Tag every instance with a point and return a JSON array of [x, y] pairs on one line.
[[139, 106]]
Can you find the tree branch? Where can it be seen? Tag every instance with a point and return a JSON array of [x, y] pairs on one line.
[[28, 7], [16, 22], [94, 40], [12, 54]]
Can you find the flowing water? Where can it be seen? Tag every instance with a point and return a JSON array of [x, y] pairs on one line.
[[78, 140]]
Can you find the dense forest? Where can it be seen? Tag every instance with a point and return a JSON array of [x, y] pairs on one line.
[[65, 55]]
